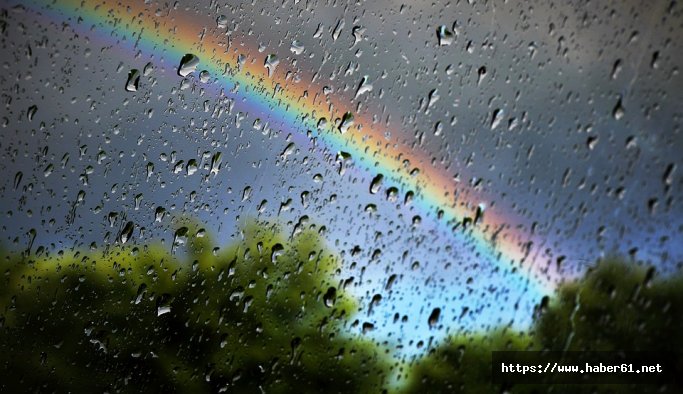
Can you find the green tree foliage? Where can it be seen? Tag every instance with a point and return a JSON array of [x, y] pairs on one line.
[[615, 306], [463, 363], [265, 314], [269, 313]]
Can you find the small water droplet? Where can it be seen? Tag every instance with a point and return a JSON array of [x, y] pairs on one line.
[[48, 170], [138, 200], [410, 195], [179, 237], [591, 141], [297, 47], [159, 214], [112, 218], [434, 317], [432, 98], [140, 293], [289, 149], [216, 160], [363, 87], [191, 167], [241, 60], [654, 63], [31, 112], [337, 30], [668, 174], [444, 36], [150, 169], [481, 74], [616, 69], [357, 33], [304, 198], [392, 194], [246, 193], [149, 68], [222, 22], [343, 158], [496, 118], [322, 122], [346, 122], [126, 233], [162, 310], [204, 76], [318, 31], [270, 63], [618, 111], [330, 297], [276, 251], [17, 179]]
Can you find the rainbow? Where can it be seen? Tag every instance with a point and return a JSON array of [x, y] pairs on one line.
[[299, 104]]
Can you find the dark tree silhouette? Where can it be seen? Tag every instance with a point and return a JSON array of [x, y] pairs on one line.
[[265, 314], [616, 306]]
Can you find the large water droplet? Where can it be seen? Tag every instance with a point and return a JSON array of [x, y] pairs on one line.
[[188, 64], [376, 183], [133, 80]]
